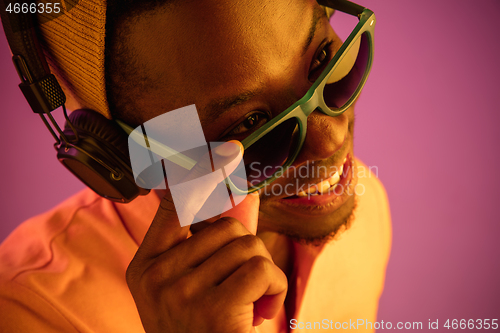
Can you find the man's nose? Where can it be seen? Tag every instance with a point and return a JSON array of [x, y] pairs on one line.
[[325, 136]]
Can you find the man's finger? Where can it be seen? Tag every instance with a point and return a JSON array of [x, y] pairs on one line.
[[258, 277], [186, 198], [192, 192], [247, 212]]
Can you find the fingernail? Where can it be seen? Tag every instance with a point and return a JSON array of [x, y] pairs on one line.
[[229, 148]]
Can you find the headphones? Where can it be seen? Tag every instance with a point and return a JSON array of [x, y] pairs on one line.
[[92, 147]]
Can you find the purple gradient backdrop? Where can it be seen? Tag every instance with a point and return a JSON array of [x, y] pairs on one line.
[[428, 118]]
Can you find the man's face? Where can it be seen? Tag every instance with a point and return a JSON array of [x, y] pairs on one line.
[[243, 63]]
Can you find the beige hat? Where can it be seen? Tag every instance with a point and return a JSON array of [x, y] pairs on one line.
[[74, 47]]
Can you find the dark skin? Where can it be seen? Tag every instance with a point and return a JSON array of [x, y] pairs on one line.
[[266, 57]]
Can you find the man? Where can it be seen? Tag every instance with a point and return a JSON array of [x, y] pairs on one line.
[[317, 257]]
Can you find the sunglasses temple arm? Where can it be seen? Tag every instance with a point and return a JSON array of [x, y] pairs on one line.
[[343, 6], [158, 148]]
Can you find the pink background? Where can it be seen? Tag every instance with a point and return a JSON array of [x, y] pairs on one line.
[[428, 119]]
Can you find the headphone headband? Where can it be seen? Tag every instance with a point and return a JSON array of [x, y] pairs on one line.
[[38, 85]]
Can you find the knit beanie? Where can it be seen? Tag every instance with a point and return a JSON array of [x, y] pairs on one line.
[[74, 48]]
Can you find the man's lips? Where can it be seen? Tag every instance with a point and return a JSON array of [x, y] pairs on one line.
[[325, 185], [332, 197]]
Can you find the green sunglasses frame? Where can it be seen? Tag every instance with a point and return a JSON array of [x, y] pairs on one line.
[[313, 99]]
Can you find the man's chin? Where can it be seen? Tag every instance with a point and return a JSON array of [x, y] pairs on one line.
[[317, 232]]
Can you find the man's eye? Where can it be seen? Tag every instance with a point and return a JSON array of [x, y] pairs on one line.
[[319, 62], [251, 123]]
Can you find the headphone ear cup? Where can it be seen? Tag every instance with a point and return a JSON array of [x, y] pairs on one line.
[[98, 155]]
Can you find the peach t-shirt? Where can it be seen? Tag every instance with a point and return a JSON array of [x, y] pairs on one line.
[[64, 271]]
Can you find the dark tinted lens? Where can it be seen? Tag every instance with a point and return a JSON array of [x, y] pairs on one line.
[[267, 155], [338, 93]]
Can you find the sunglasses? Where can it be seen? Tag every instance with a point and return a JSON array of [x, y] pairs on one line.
[[275, 146]]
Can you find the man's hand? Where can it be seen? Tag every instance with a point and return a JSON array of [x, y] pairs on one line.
[[222, 279]]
